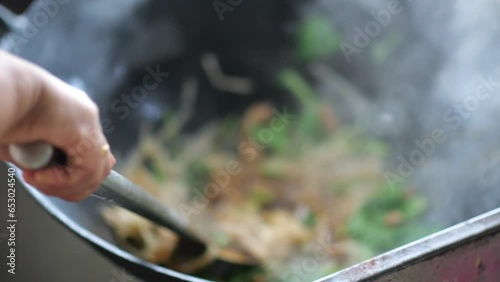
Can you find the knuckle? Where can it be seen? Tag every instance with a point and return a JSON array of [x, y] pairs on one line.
[[21, 76], [92, 109]]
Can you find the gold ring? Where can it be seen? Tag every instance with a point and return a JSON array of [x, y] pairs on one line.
[[105, 150]]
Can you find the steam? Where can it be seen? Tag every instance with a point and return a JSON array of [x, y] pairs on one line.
[[429, 83]]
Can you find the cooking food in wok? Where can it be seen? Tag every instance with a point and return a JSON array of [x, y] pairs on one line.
[[279, 184], [291, 133]]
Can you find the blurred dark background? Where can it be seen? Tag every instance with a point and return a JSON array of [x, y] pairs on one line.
[[17, 6]]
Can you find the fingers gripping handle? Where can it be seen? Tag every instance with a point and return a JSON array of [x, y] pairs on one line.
[[36, 155]]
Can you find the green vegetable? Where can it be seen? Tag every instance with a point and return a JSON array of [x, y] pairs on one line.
[[197, 175], [221, 239], [369, 225], [155, 169], [316, 39], [293, 81], [382, 49], [414, 207], [309, 125], [340, 188], [310, 220], [360, 144], [261, 196], [274, 168], [280, 143]]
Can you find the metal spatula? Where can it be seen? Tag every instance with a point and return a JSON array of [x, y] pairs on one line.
[[118, 190]]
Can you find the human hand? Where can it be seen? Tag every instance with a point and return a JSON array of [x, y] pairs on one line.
[[38, 107]]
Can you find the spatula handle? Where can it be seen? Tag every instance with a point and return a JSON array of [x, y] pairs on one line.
[[32, 156]]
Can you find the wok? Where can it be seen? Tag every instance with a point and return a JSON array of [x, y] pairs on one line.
[[104, 69]]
